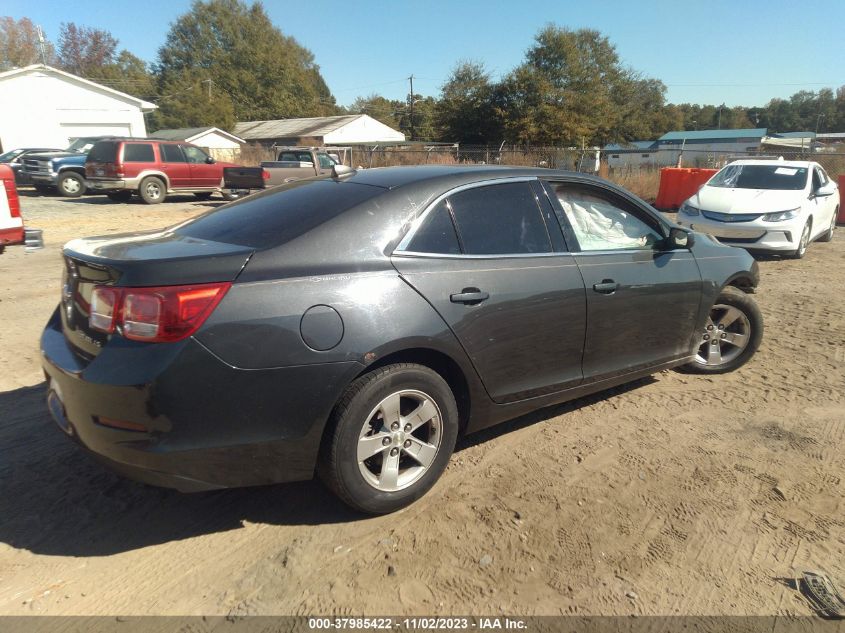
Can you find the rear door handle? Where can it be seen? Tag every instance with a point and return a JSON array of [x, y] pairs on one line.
[[469, 295], [606, 287]]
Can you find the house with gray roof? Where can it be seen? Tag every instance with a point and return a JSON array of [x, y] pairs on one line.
[[352, 129]]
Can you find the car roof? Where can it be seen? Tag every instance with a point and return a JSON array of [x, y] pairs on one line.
[[395, 177]]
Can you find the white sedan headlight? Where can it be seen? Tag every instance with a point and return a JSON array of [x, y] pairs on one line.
[[688, 209], [782, 216]]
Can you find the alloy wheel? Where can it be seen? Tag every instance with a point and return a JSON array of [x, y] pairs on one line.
[[153, 190], [725, 336], [71, 185], [805, 239], [399, 440]]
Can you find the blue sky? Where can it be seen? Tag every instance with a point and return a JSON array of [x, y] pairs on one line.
[[742, 52]]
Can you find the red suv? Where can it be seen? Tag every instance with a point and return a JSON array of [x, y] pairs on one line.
[[152, 169]]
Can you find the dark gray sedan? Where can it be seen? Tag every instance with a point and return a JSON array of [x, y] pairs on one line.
[[355, 325]]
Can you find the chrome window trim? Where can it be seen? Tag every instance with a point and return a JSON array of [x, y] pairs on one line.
[[398, 253], [415, 225]]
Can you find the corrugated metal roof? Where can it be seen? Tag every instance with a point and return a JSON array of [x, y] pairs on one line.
[[180, 134], [288, 128], [698, 135], [795, 135], [632, 145]]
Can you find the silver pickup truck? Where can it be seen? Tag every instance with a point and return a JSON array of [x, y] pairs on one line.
[[293, 163]]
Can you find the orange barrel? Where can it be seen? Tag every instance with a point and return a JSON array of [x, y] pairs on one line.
[[840, 219]]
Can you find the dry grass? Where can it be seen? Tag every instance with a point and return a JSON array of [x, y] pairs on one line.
[[643, 182]]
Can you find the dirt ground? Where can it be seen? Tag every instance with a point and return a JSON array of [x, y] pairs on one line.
[[674, 495]]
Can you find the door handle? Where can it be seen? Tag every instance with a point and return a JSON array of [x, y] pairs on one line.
[[606, 287], [469, 296]]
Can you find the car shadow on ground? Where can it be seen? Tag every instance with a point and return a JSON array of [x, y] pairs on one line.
[[56, 500]]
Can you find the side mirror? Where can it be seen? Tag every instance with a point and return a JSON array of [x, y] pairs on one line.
[[825, 190], [209, 160], [679, 238]]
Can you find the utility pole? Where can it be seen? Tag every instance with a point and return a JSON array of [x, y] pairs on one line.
[[41, 45], [411, 101]]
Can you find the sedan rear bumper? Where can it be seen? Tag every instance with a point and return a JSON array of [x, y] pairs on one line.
[[174, 415]]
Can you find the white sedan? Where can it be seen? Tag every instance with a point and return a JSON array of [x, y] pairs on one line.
[[766, 205]]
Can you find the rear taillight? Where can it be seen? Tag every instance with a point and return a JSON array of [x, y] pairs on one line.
[[265, 174], [156, 315], [12, 197]]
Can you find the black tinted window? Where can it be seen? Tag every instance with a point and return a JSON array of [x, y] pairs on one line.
[[138, 153], [500, 220], [103, 152], [279, 215], [437, 234], [171, 154]]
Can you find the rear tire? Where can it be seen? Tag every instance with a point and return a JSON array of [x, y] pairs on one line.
[[71, 185], [389, 438], [828, 235], [731, 335], [152, 190], [803, 241], [119, 196]]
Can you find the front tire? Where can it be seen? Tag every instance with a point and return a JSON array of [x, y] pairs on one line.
[[71, 185], [731, 335], [391, 436], [803, 241], [152, 190], [828, 235]]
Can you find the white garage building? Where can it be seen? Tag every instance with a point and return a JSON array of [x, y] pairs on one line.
[[41, 106]]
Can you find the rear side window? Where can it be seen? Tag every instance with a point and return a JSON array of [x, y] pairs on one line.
[[437, 234], [500, 220], [279, 215], [138, 153], [171, 154], [103, 152]]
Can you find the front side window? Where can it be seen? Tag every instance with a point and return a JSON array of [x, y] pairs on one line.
[[500, 219], [194, 154], [138, 153], [604, 223], [325, 161], [171, 153], [437, 234]]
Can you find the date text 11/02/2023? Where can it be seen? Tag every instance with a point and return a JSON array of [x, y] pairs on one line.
[[417, 623]]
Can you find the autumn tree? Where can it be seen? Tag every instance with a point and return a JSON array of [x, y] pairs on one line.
[[20, 45], [83, 49], [262, 72]]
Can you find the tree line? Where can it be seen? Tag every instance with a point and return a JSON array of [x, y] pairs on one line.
[[225, 61]]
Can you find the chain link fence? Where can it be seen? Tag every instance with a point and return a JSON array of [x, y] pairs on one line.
[[636, 170]]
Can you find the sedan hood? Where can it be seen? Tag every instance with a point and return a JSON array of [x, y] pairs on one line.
[[726, 200]]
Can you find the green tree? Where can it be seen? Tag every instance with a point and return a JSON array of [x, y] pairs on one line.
[[191, 99], [464, 113], [19, 44], [265, 74]]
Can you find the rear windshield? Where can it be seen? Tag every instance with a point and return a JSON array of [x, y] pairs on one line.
[[772, 176], [279, 215], [103, 152]]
